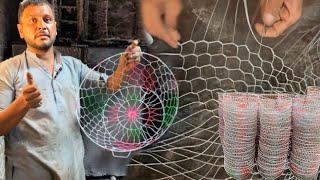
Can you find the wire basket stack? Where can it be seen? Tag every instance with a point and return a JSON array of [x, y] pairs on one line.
[[239, 109], [305, 154], [313, 90], [274, 134], [221, 120], [273, 131]]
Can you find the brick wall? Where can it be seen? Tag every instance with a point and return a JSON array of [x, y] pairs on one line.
[[3, 28], [97, 22]]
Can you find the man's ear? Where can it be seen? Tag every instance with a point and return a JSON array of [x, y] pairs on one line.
[[19, 26], [56, 28]]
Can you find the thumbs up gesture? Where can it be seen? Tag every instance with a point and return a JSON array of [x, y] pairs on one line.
[[31, 93]]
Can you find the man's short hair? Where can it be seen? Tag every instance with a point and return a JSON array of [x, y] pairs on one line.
[[25, 3]]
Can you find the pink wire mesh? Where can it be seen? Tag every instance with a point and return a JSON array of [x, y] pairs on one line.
[[313, 90]]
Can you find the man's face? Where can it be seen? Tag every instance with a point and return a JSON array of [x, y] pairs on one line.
[[38, 27]]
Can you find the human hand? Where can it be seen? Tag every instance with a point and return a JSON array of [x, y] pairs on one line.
[[278, 16], [127, 62], [31, 93], [130, 58], [160, 19]]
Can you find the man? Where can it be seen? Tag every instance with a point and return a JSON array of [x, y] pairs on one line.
[[38, 90], [160, 18]]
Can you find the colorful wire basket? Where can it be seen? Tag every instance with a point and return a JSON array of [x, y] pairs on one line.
[[133, 116]]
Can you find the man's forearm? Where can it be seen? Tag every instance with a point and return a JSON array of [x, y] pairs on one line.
[[114, 81], [12, 115], [127, 62]]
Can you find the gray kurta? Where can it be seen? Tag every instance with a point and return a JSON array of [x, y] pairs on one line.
[[47, 143], [2, 172]]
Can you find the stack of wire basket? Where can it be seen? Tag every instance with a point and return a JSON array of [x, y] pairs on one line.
[[275, 132]]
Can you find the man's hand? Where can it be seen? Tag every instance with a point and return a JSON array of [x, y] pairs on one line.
[[31, 93], [127, 62], [130, 58], [277, 16], [160, 19]]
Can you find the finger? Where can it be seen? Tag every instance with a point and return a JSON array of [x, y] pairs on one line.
[[29, 89], [133, 53], [175, 35], [133, 47], [270, 11], [33, 96], [35, 103], [134, 60], [134, 44], [274, 31], [284, 13], [29, 78], [136, 51], [133, 57], [36, 100], [172, 11], [294, 9], [151, 16]]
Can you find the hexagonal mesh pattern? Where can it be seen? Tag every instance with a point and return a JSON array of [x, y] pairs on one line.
[[222, 53]]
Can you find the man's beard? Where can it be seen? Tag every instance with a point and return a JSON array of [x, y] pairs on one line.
[[42, 47]]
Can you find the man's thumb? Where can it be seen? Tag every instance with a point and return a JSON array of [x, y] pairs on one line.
[[29, 78]]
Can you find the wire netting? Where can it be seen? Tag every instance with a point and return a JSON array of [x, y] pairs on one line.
[[220, 52]]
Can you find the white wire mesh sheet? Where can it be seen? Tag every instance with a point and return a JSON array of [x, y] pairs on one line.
[[220, 52], [135, 115], [2, 159]]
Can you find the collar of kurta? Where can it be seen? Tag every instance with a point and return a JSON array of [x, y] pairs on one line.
[[57, 58]]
